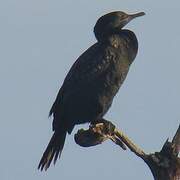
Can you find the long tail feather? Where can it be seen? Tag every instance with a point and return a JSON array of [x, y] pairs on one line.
[[53, 150]]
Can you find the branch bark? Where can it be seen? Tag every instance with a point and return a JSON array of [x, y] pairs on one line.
[[164, 165]]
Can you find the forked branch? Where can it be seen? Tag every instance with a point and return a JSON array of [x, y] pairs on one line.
[[164, 165]]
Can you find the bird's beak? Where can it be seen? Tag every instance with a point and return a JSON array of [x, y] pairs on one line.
[[129, 17], [132, 16]]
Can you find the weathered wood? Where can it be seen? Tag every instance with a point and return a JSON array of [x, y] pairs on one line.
[[164, 165]]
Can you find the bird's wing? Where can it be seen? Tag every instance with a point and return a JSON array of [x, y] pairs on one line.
[[86, 69]]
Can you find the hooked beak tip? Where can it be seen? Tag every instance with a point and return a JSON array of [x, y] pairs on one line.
[[137, 15]]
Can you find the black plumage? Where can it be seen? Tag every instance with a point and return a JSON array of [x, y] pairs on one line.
[[93, 80]]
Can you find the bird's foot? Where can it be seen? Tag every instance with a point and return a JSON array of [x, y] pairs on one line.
[[108, 127], [97, 133]]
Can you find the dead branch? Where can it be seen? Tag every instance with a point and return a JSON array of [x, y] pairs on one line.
[[164, 165]]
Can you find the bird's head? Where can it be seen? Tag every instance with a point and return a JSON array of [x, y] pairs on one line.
[[113, 22]]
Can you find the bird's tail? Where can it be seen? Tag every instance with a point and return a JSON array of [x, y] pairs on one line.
[[53, 150]]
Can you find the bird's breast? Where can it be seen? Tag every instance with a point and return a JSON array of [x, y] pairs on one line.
[[111, 80]]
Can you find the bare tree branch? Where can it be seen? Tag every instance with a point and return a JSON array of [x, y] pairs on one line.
[[134, 148], [176, 142], [164, 165]]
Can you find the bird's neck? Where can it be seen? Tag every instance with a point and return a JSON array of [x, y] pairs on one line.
[[123, 39], [131, 42]]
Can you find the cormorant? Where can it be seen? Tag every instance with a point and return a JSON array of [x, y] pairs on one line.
[[92, 82]]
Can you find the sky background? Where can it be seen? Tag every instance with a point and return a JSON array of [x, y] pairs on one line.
[[39, 41]]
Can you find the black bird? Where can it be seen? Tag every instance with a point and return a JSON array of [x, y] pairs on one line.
[[93, 80]]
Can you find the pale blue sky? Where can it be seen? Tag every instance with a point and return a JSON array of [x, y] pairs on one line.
[[39, 41]]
